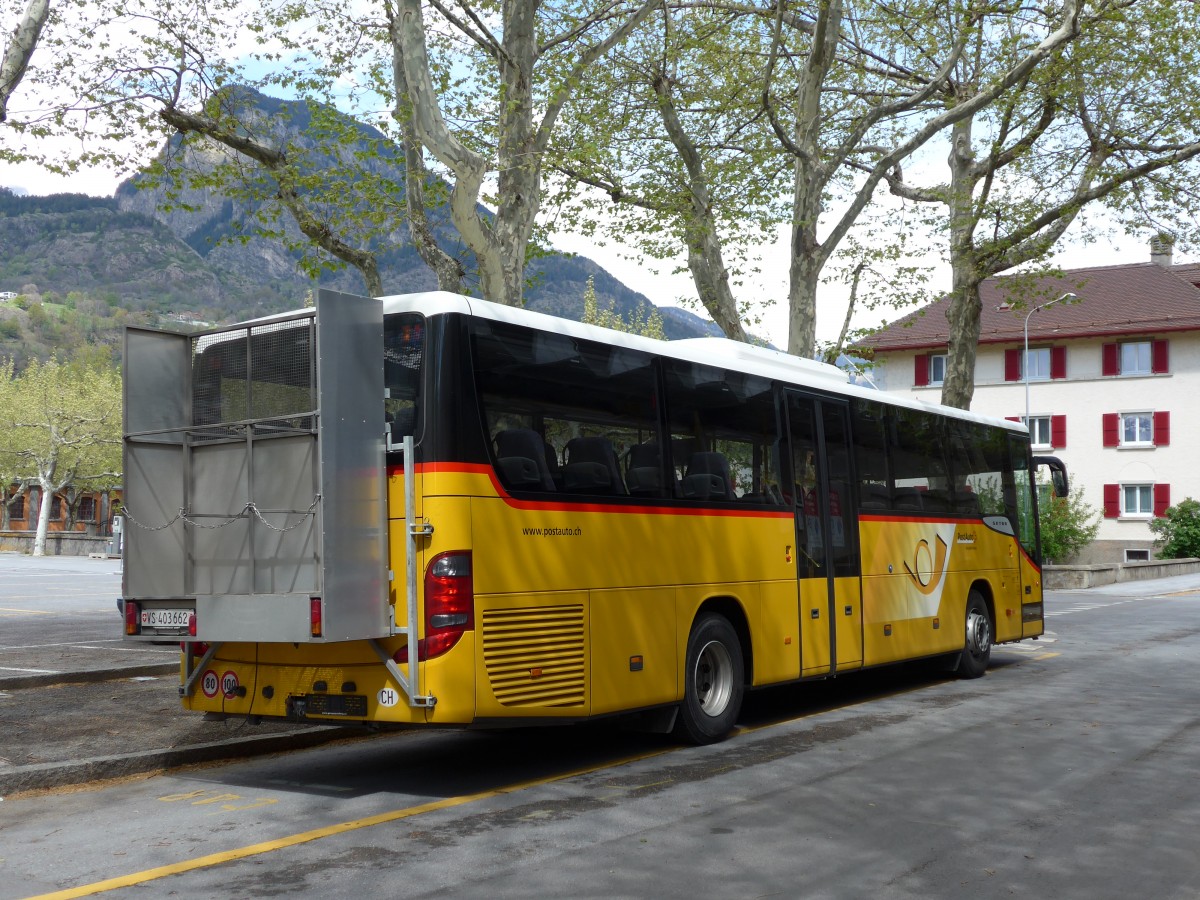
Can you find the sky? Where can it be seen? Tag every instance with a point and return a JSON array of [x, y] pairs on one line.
[[662, 287]]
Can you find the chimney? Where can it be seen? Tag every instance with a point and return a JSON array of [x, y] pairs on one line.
[[1161, 246]]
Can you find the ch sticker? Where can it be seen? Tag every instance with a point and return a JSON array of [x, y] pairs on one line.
[[928, 566]]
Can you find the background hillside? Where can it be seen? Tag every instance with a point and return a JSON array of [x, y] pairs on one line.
[[86, 266]]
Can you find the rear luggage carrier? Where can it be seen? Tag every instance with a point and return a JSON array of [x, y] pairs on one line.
[[255, 484]]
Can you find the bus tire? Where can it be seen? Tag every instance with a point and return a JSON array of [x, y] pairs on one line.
[[713, 681], [977, 651]]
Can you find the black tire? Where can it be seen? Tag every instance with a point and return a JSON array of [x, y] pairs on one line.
[[977, 650], [713, 682]]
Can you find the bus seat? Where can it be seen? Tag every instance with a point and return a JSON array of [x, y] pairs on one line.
[[526, 447], [644, 473], [708, 478], [967, 503], [907, 498], [874, 496], [591, 467], [519, 473], [587, 478]]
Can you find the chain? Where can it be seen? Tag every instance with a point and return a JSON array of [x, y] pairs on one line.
[[241, 514], [304, 515], [129, 516]]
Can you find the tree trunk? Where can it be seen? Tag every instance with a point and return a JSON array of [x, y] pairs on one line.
[[963, 312], [468, 167], [20, 49], [501, 242], [449, 271], [811, 178], [519, 175], [705, 257], [43, 523], [803, 277]]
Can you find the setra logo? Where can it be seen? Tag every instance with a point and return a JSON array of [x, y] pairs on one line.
[[928, 565]]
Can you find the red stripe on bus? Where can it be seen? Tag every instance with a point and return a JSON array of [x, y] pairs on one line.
[[565, 506]]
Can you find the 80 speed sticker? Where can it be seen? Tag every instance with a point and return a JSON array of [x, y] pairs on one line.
[[210, 683]]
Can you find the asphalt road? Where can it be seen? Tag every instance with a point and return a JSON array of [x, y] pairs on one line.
[[1068, 771], [58, 616]]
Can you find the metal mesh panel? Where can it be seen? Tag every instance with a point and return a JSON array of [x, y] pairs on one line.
[[283, 383], [261, 376], [218, 383]]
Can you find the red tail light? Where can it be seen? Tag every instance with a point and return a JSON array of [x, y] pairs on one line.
[[449, 605], [133, 618], [314, 616]]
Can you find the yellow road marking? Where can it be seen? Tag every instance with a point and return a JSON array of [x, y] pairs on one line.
[[316, 834], [27, 612]]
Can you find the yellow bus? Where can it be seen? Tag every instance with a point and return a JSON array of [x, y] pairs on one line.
[[430, 509]]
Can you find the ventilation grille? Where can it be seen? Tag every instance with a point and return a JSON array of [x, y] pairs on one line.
[[535, 657]]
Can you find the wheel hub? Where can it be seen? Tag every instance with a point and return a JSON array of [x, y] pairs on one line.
[[714, 678]]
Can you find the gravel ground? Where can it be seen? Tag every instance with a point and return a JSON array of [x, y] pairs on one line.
[[74, 733]]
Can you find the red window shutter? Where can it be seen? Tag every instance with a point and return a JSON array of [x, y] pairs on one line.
[[1162, 429], [1112, 429], [1162, 499], [921, 370], [1014, 418], [1112, 501], [1159, 357], [1012, 365], [1058, 362], [1058, 431], [1111, 360]]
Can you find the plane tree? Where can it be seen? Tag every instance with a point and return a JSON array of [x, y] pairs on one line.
[[843, 92], [60, 425], [1094, 127]]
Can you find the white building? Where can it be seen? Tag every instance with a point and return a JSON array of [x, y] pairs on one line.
[[1113, 382]]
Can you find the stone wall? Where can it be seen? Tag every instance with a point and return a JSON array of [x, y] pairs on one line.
[[1065, 578], [57, 543]]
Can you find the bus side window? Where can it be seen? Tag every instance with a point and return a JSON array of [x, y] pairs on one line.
[[870, 454], [585, 406], [723, 429]]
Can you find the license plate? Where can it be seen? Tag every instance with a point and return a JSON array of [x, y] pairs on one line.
[[166, 618]]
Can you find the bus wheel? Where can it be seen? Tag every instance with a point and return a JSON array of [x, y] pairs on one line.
[[713, 681], [977, 651]]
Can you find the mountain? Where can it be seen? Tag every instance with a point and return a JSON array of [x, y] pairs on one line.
[[155, 256]]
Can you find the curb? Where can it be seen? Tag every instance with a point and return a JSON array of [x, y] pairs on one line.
[[16, 682], [62, 774]]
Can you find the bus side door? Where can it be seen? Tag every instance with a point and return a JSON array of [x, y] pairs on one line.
[[827, 563]]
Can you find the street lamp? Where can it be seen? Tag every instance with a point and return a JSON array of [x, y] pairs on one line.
[[1025, 360]]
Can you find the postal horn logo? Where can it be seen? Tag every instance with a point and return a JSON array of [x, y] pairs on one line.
[[928, 565]]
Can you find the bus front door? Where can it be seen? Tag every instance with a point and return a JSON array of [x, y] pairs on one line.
[[827, 566]]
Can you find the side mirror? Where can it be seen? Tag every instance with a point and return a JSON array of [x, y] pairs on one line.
[[1058, 473]]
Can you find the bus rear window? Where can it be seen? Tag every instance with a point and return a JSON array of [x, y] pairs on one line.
[[403, 353]]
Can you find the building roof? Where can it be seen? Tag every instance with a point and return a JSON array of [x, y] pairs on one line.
[[1141, 298]]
